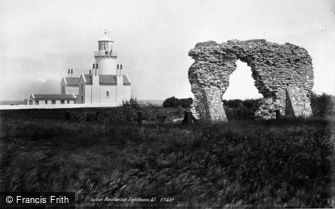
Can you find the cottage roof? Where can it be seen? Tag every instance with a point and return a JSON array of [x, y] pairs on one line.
[[126, 81], [72, 81], [53, 96], [107, 79]]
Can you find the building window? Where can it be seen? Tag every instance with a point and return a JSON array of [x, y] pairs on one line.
[[45, 101], [30, 102], [68, 101], [37, 102], [53, 101], [62, 101], [107, 93], [82, 87], [82, 99]]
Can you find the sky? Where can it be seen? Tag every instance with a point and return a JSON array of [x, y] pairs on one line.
[[41, 39]]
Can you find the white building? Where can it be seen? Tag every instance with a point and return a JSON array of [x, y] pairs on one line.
[[51, 99], [105, 83]]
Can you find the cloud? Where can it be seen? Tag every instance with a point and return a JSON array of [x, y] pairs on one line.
[[42, 80]]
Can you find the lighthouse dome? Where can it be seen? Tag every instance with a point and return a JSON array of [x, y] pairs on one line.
[[106, 37]]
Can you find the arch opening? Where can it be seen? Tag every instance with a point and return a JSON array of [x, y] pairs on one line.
[[241, 84], [240, 101]]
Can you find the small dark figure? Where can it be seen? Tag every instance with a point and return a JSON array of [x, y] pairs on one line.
[[139, 118], [67, 115], [188, 118], [277, 114]]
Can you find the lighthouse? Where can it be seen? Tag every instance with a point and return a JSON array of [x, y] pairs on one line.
[[106, 84], [106, 56]]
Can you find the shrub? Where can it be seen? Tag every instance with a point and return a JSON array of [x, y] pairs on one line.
[[321, 104], [244, 109], [240, 110], [175, 102]]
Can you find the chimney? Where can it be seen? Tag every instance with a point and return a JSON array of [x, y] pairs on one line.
[[120, 70]]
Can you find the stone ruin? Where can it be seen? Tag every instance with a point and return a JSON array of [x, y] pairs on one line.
[[283, 74]]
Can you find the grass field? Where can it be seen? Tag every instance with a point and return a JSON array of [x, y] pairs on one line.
[[283, 163]]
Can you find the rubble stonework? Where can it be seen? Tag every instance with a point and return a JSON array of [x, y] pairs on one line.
[[283, 74]]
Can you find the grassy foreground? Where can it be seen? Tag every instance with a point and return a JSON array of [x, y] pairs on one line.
[[241, 164]]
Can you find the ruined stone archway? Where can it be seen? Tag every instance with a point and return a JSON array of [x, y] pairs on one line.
[[283, 74]]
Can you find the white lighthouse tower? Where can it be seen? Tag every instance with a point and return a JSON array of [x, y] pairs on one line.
[[105, 57]]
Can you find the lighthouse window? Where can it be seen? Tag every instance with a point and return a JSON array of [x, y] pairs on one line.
[[107, 93]]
